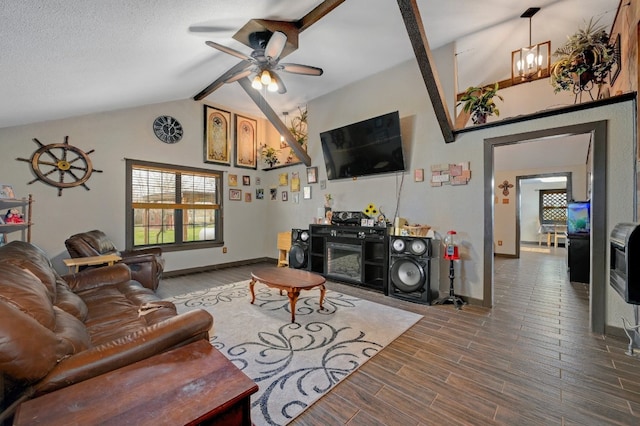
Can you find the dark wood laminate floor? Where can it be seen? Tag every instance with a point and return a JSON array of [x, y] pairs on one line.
[[530, 360]]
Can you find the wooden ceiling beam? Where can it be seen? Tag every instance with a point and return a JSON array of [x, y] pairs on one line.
[[415, 29], [318, 13], [271, 115]]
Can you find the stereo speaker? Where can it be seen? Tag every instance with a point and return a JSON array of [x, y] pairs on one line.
[[410, 269], [347, 218], [299, 251]]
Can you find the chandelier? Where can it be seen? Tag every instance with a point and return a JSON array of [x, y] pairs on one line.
[[532, 62]]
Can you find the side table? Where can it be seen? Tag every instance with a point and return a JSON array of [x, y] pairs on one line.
[[193, 384]]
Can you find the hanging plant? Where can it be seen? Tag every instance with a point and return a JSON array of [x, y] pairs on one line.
[[478, 101], [584, 60], [298, 126]]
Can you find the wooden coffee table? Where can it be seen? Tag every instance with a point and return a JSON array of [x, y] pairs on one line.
[[289, 280]]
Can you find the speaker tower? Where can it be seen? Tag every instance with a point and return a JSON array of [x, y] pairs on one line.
[[299, 251], [410, 269]]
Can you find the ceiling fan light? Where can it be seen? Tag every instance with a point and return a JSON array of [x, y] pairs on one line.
[[273, 86], [265, 77], [256, 83]]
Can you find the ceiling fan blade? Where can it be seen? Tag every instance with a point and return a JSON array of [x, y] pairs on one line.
[[281, 87], [275, 45], [228, 50], [301, 69], [238, 76], [240, 66]]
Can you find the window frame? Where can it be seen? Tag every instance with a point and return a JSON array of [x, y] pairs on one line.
[[541, 205], [131, 164]]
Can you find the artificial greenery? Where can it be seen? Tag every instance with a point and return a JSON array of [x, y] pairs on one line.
[[478, 101], [585, 59], [270, 155], [298, 126]]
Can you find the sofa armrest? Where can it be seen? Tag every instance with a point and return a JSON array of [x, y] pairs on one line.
[[168, 334], [98, 277], [134, 258], [156, 251]]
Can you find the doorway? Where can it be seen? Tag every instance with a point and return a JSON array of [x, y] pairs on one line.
[[597, 189], [531, 226]]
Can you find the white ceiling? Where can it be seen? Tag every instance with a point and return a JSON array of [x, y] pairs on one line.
[[67, 58]]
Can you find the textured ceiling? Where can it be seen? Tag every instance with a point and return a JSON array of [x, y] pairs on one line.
[[64, 58]]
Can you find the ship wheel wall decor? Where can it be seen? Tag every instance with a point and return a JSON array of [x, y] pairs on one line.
[[61, 165]]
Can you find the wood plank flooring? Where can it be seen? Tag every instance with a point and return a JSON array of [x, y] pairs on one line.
[[530, 360]]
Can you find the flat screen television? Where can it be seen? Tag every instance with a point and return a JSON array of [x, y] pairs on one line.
[[368, 147], [578, 217]]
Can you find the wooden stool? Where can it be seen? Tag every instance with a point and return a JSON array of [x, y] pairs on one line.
[[284, 245]]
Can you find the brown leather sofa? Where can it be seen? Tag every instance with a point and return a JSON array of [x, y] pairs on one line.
[[59, 330], [146, 264]]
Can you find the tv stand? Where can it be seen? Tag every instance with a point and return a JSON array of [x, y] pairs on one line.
[[356, 255]]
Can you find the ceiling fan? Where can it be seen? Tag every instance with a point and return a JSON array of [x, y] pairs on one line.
[[264, 62]]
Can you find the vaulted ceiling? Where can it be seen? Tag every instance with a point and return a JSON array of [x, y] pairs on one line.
[[68, 58]]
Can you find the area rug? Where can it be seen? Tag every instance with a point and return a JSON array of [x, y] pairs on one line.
[[294, 364]]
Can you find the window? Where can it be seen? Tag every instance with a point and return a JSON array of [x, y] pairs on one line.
[[553, 206], [173, 207]]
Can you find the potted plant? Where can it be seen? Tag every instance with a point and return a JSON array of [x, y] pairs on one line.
[[478, 101], [270, 155], [584, 60]]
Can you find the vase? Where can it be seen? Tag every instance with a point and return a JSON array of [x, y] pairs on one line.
[[479, 118]]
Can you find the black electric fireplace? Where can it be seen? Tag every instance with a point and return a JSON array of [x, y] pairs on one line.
[[624, 274], [350, 254]]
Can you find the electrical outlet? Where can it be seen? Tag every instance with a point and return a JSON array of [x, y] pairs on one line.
[[499, 242], [224, 249]]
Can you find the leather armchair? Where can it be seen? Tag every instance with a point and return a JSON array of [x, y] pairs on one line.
[[146, 264]]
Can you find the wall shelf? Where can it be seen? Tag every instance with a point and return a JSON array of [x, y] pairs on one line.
[[24, 205]]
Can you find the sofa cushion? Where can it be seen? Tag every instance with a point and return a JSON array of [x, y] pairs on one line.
[[28, 351], [22, 290], [72, 334], [30, 257], [114, 310], [70, 302]]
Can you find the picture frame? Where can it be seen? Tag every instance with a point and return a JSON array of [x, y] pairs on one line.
[[285, 196], [6, 192], [246, 180], [235, 194], [273, 192], [617, 65], [418, 175], [283, 179], [232, 180], [217, 135], [259, 194], [312, 175], [295, 182], [247, 197], [246, 142], [306, 193]]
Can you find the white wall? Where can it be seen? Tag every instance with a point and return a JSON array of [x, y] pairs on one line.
[[115, 136], [251, 229], [505, 214]]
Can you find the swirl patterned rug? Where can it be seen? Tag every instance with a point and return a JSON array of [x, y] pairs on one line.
[[294, 364]]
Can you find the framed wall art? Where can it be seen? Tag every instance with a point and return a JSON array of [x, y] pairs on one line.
[[235, 194], [312, 174], [217, 133], [246, 142], [246, 180]]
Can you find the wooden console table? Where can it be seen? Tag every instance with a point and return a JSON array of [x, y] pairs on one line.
[[193, 384], [75, 263]]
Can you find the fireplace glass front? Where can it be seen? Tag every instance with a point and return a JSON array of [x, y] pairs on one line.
[[344, 261]]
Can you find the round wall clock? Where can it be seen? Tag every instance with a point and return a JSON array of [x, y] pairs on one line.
[[167, 129]]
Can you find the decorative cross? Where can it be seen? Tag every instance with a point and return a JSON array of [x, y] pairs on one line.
[[505, 187]]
